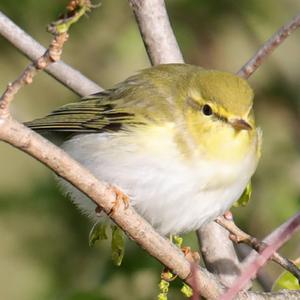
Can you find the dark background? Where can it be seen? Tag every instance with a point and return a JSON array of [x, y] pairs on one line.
[[44, 252]]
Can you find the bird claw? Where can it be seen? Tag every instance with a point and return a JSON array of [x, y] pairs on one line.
[[120, 198], [191, 256]]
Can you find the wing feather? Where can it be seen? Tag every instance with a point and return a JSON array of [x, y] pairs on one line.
[[140, 99], [97, 114]]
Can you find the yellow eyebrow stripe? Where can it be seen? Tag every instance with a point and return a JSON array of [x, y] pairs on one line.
[[197, 106]]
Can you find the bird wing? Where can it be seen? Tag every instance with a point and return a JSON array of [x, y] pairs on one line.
[[93, 114], [142, 98], [109, 110]]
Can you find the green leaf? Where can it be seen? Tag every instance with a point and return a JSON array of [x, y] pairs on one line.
[[245, 197], [186, 290], [164, 289], [164, 286], [70, 17], [162, 296], [117, 245], [178, 240], [286, 281], [98, 232]]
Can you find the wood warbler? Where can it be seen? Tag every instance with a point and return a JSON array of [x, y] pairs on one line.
[[180, 140]]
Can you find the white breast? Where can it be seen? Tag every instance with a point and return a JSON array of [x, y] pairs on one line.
[[173, 195]]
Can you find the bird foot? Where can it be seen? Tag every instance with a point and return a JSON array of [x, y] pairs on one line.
[[120, 198], [191, 256]]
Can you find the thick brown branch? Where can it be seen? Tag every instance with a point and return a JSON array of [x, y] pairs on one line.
[[268, 47]]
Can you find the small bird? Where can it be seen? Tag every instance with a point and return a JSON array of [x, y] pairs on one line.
[[178, 139]]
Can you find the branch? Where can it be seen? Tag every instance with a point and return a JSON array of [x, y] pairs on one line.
[[51, 55], [268, 47], [239, 236], [262, 277], [156, 31], [275, 241], [62, 72], [219, 253]]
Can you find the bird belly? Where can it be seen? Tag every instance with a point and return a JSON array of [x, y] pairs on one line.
[[175, 196]]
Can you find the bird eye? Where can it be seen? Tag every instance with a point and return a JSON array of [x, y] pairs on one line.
[[207, 110]]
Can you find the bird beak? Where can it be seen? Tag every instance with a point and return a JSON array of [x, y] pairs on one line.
[[240, 124]]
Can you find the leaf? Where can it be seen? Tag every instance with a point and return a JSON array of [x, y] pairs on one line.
[[164, 289], [117, 245], [245, 197], [98, 232], [286, 281], [186, 290], [178, 240], [74, 12], [162, 296]]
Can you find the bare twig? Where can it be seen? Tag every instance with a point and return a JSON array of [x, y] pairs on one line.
[[262, 276], [268, 47], [274, 242], [59, 28], [51, 55], [239, 236], [68, 76]]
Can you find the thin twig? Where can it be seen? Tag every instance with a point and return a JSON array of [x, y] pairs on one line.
[[62, 72], [239, 236], [277, 240], [75, 10], [268, 47], [262, 277], [51, 55]]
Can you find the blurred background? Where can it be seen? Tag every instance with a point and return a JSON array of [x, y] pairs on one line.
[[44, 251]]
